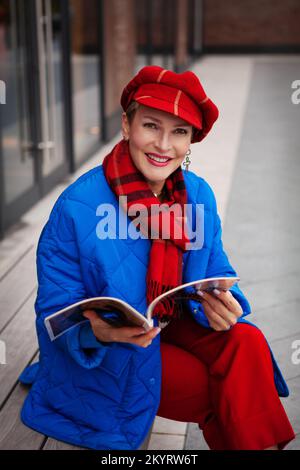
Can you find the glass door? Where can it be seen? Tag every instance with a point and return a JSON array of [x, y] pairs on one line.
[[86, 82], [33, 123], [18, 169], [51, 144]]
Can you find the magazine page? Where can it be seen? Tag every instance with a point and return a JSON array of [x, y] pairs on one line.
[[189, 290], [114, 311]]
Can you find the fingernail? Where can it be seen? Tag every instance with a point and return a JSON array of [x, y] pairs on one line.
[[158, 330], [216, 291], [199, 292]]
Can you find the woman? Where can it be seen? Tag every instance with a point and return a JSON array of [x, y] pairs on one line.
[[100, 386]]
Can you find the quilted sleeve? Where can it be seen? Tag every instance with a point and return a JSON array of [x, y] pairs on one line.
[[219, 265], [60, 284]]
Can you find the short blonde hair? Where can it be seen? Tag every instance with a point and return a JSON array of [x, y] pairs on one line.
[[131, 110]]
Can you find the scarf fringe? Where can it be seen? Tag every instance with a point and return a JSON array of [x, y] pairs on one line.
[[167, 308]]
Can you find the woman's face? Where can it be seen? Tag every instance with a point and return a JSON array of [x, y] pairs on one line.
[[158, 142]]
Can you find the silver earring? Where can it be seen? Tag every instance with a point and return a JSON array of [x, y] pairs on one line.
[[187, 160]]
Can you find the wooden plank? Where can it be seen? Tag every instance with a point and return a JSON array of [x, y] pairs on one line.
[[25, 234], [145, 444], [14, 435], [295, 444], [21, 345], [53, 444], [8, 262], [12, 248], [16, 287]]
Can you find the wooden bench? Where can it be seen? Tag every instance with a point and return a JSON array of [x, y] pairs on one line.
[[17, 331]]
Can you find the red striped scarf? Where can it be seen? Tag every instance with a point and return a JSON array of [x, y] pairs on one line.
[[166, 254]]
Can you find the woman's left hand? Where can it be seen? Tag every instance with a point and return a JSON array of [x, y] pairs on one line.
[[221, 309]]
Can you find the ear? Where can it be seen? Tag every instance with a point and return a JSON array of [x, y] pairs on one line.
[[125, 126]]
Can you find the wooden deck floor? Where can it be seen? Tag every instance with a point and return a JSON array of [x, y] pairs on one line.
[[17, 326]]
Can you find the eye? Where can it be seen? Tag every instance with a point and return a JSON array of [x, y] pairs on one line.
[[151, 125], [181, 131]]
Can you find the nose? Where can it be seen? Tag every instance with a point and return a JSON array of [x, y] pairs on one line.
[[163, 143]]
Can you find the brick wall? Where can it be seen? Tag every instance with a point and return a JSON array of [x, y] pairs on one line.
[[251, 23]]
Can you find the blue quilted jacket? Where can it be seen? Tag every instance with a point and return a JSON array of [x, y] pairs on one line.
[[106, 396]]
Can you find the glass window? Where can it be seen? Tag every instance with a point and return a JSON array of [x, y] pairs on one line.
[[18, 165], [85, 56]]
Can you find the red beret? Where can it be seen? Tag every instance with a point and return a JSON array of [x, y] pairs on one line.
[[180, 94]]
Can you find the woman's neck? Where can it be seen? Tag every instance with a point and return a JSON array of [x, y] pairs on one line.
[[156, 188]]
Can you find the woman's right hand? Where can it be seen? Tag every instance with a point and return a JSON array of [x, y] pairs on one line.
[[125, 334]]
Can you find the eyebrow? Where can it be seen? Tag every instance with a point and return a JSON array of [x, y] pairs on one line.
[[159, 121]]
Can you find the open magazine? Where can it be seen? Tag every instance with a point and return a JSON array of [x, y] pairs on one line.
[[117, 312]]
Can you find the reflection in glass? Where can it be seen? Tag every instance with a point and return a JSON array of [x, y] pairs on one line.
[[85, 75], [18, 166], [51, 83]]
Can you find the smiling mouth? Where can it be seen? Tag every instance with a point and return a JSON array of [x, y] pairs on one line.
[[158, 159]]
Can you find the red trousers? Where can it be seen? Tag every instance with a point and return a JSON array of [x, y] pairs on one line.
[[224, 382]]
